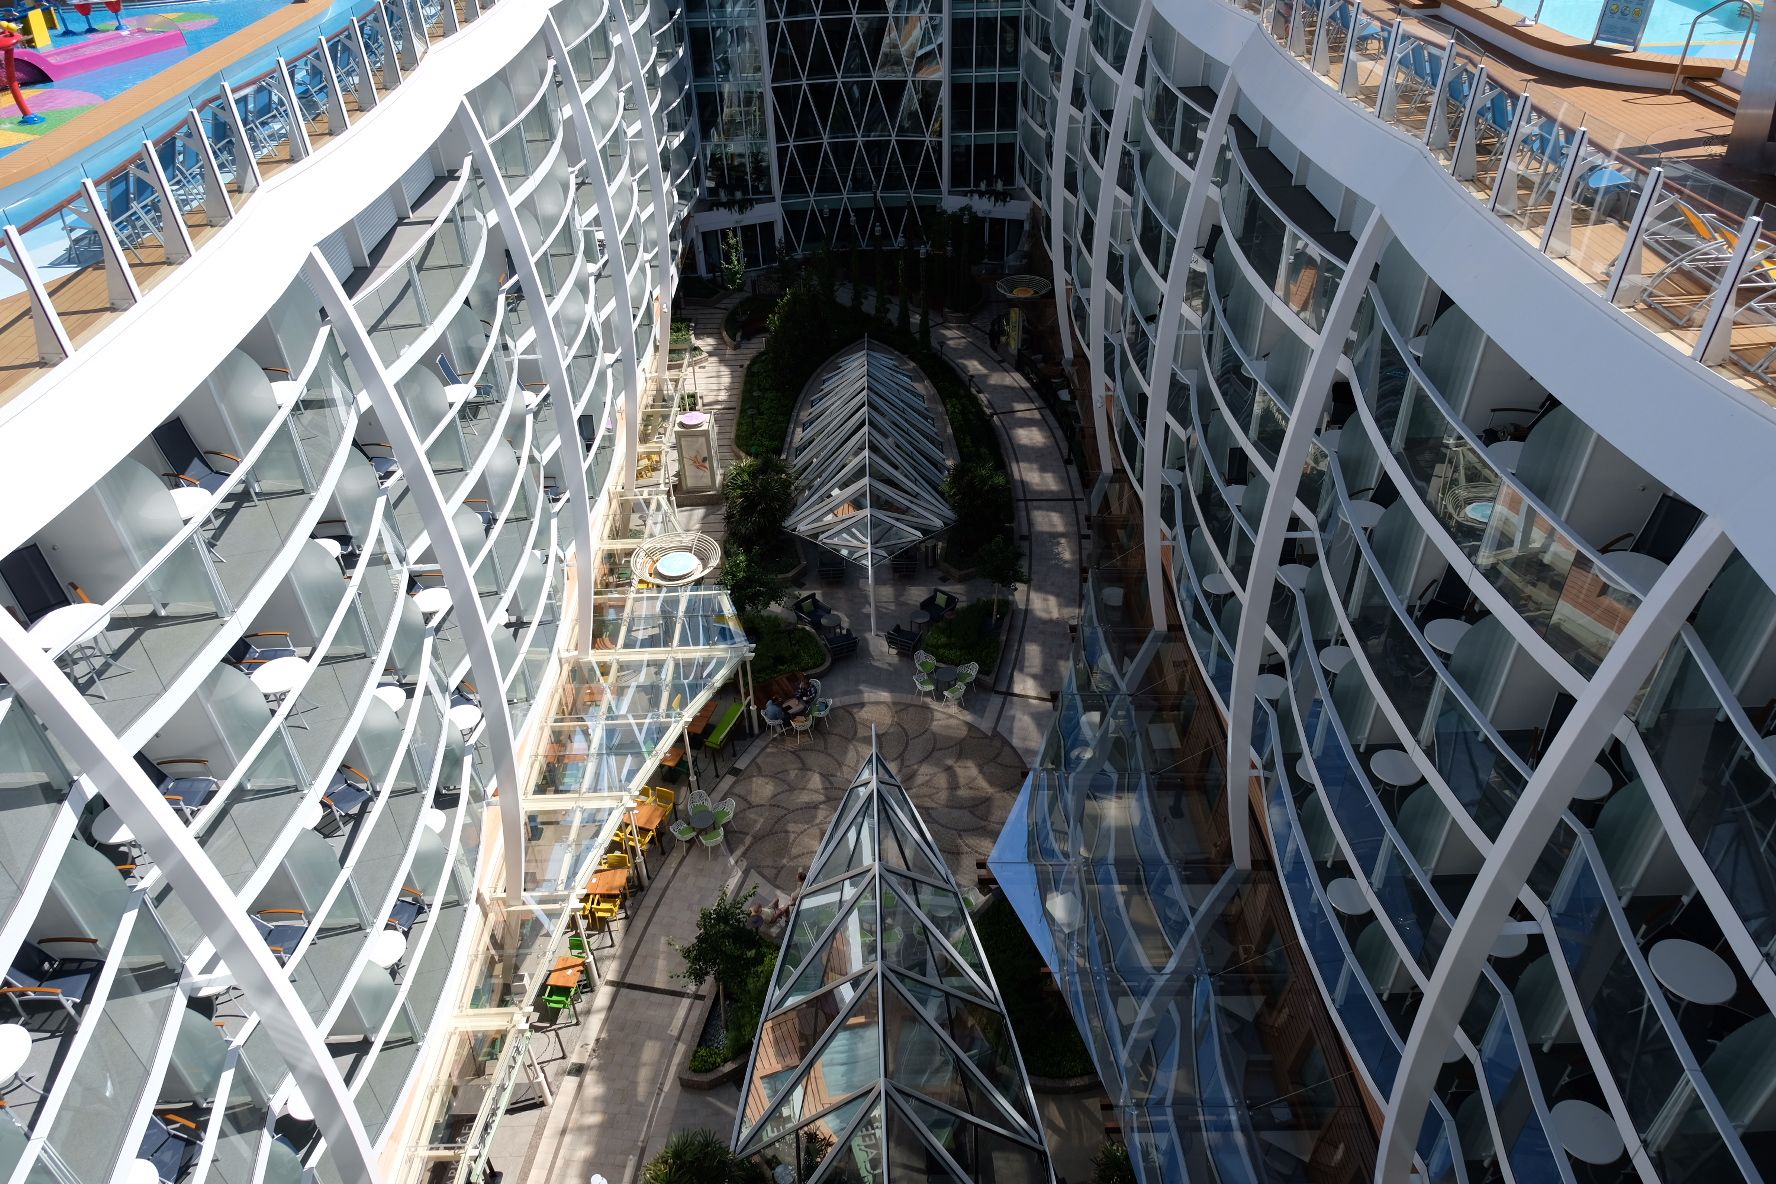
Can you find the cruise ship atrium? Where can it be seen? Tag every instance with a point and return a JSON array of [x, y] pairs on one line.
[[796, 591]]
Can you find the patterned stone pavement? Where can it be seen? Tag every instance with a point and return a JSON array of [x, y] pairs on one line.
[[962, 780]]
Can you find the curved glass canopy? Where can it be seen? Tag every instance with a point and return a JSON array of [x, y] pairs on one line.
[[869, 454], [885, 1053]]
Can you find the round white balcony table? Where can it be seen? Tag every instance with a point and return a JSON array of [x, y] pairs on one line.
[[1364, 514], [280, 676], [15, 1049], [1446, 633], [331, 547], [1595, 784], [1329, 440], [308, 815], [1304, 769], [676, 565], [1335, 658], [1505, 454], [1236, 496], [1295, 575], [192, 501], [1639, 572], [56, 631], [295, 1106], [211, 985], [387, 947], [109, 829], [434, 819], [392, 697], [1587, 1131], [1271, 686], [1347, 896], [1416, 346], [1479, 513], [1692, 971], [458, 393], [432, 600], [142, 1171], [1394, 767], [1216, 584], [464, 716], [534, 398], [1510, 945]]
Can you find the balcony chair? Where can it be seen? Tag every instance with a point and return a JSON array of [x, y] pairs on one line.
[[188, 790], [335, 531], [282, 929], [347, 794], [904, 641], [480, 394], [36, 976], [387, 468], [34, 586], [256, 649], [189, 464], [171, 1144], [410, 906]]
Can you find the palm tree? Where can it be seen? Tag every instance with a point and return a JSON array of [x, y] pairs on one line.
[[700, 1157]]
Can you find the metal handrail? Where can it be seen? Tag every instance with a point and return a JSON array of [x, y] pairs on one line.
[[1677, 74]]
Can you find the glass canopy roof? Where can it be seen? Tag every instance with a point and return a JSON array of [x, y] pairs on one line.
[[885, 1053], [870, 459]]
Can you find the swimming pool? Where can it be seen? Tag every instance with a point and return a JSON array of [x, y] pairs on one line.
[[1667, 25], [203, 22]]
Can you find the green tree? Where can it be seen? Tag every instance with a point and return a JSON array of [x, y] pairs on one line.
[[726, 947], [751, 584], [733, 260], [1000, 562], [980, 493], [700, 1157], [1110, 1166], [758, 493]]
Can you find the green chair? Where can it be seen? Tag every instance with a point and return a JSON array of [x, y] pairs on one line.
[[954, 694], [924, 663], [966, 673], [925, 684], [559, 998], [712, 838], [683, 831]]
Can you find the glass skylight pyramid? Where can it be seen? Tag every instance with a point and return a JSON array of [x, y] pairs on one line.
[[871, 468], [885, 1054]]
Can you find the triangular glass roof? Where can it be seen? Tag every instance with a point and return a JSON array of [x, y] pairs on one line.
[[885, 1053], [868, 454]]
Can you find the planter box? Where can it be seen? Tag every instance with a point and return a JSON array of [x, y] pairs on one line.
[[721, 1074]]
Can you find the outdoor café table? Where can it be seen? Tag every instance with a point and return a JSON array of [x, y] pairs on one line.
[[702, 817], [700, 722], [567, 971], [649, 816], [609, 882]]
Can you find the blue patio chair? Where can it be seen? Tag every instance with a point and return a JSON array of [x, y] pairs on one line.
[[282, 929], [171, 1145], [186, 790], [482, 394], [410, 906], [347, 794], [387, 468], [37, 976], [255, 649]]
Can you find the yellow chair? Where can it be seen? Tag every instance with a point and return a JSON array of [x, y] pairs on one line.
[[660, 795], [614, 859]]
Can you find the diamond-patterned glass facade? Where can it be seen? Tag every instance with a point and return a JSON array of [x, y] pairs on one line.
[[857, 88], [885, 1054]]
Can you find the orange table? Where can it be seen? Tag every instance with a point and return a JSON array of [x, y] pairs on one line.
[[649, 816], [610, 882], [567, 971], [700, 721]]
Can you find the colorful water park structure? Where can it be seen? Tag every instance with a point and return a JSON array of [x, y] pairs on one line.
[[49, 51]]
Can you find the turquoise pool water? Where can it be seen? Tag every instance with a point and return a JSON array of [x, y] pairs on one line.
[[1669, 23]]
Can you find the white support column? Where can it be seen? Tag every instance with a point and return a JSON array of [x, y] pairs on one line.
[[53, 343], [549, 357], [1171, 322], [175, 236], [1649, 633], [1105, 218], [650, 145], [120, 285], [1273, 524], [447, 549], [246, 167], [366, 86], [593, 171], [300, 148], [218, 206], [1061, 109], [112, 769]]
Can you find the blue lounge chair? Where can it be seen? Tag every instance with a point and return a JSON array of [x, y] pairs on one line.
[[36, 976], [171, 1145]]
